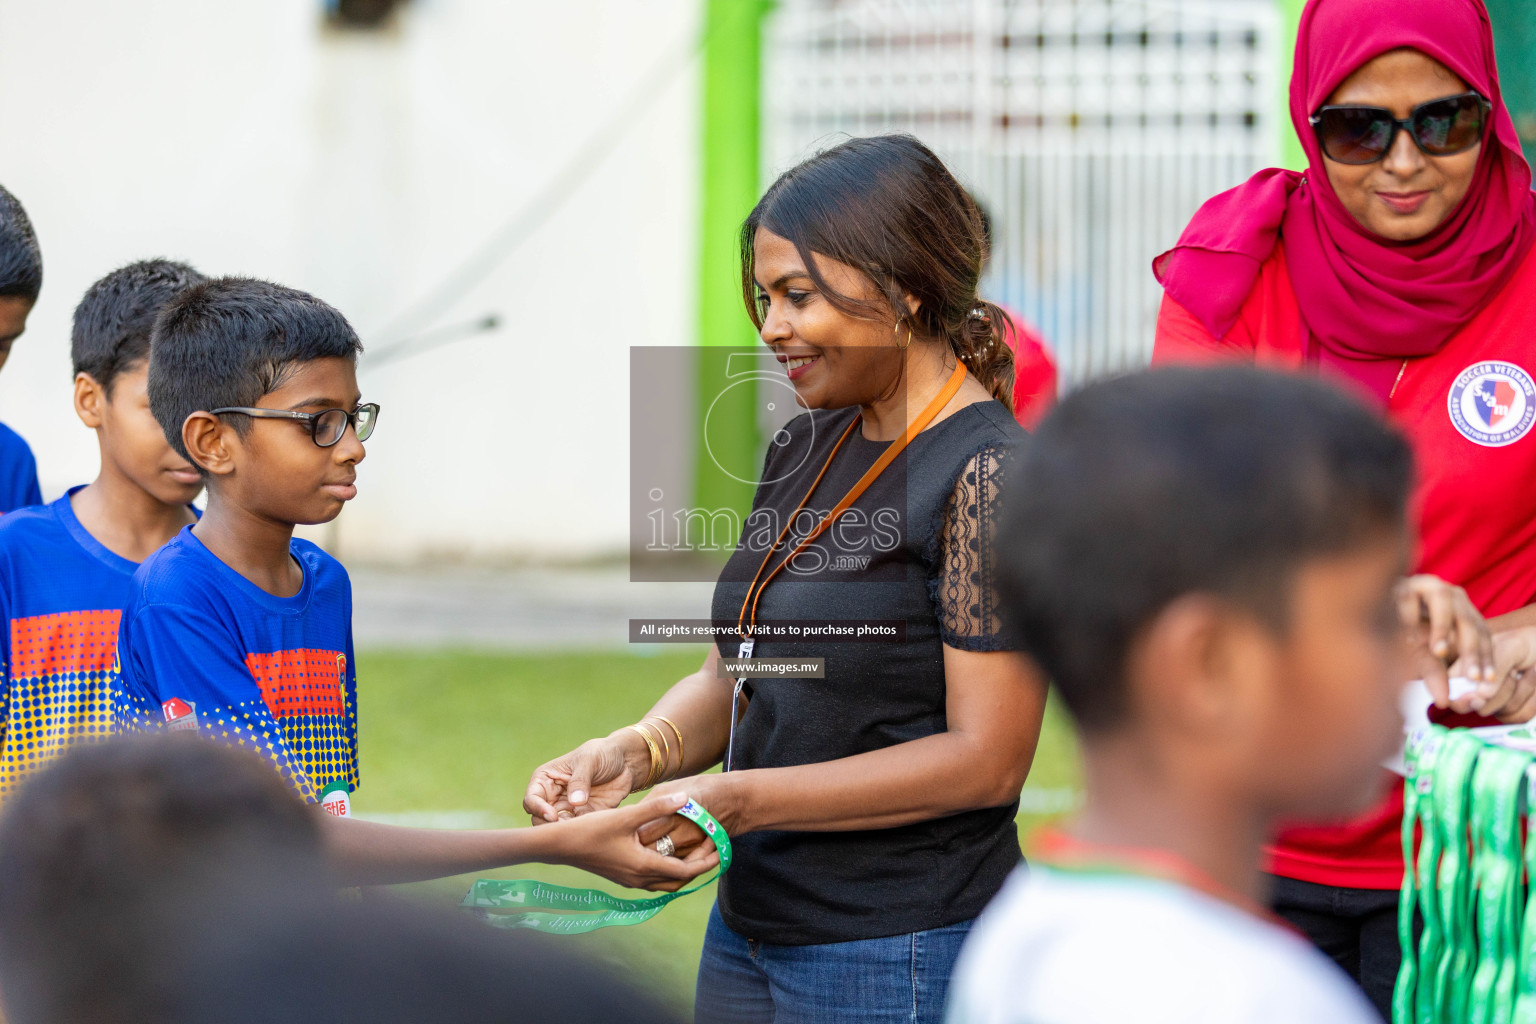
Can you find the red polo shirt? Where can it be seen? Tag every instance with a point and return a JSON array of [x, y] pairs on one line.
[[1468, 411]]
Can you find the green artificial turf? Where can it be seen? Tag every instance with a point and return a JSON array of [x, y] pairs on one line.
[[451, 737]]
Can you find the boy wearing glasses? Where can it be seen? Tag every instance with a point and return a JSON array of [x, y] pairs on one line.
[[65, 568], [241, 632]]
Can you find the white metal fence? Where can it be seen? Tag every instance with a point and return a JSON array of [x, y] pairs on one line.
[[1091, 129]]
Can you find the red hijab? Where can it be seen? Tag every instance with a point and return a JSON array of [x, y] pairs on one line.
[[1367, 302]]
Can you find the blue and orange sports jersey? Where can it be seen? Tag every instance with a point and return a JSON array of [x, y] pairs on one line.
[[18, 472], [61, 595], [203, 647]]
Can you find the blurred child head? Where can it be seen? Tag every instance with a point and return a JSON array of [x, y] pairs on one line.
[[21, 271], [394, 963], [110, 348], [1204, 561], [122, 855], [237, 342]]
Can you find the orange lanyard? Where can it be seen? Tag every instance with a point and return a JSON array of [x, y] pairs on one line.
[[746, 621]]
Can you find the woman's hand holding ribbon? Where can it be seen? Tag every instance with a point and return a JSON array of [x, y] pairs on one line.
[[1512, 698], [719, 793], [611, 844]]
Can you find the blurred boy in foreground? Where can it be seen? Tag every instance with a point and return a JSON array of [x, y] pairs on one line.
[[167, 880], [1207, 564]]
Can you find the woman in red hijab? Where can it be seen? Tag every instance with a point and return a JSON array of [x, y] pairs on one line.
[[1400, 262]]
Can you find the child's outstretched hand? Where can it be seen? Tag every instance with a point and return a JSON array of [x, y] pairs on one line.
[[607, 843], [1449, 637]]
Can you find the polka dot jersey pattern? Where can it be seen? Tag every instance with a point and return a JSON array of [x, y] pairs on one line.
[[61, 676]]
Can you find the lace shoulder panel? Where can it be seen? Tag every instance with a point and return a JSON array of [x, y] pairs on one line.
[[963, 585]]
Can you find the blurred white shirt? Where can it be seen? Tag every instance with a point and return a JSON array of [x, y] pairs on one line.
[[1083, 947]]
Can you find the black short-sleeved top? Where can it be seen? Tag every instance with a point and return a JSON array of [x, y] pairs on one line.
[[919, 552]]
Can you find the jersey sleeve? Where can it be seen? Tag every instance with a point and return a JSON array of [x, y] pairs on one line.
[[1181, 338], [964, 586], [187, 666], [18, 477]]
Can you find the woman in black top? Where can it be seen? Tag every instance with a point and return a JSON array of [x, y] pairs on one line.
[[872, 810]]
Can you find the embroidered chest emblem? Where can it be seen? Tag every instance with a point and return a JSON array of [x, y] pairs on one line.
[[1492, 403]]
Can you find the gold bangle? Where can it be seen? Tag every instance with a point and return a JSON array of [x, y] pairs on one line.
[[657, 765], [650, 778], [666, 749], [679, 734], [665, 756]]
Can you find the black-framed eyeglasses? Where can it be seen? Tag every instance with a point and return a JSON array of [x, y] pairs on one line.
[[1364, 135], [325, 427]]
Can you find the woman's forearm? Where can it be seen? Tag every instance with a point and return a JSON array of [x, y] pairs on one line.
[[603, 771], [993, 709], [931, 777], [700, 707]]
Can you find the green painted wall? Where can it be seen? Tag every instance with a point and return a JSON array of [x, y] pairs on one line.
[[1514, 34], [728, 190], [1291, 154]]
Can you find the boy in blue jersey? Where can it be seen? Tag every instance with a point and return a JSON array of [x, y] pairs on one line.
[[65, 568], [21, 279], [243, 633]]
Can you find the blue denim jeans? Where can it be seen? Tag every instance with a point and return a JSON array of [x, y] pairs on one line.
[[901, 978]]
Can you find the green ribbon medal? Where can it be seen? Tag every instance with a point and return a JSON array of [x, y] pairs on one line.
[[1498, 786], [1525, 999], [1419, 759], [564, 910], [1449, 983], [1469, 841]]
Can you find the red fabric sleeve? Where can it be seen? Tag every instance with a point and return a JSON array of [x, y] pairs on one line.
[[1183, 339]]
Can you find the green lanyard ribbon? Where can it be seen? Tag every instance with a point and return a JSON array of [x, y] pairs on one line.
[[1469, 843], [1449, 802], [1419, 759], [564, 910], [1525, 1000], [1498, 784]]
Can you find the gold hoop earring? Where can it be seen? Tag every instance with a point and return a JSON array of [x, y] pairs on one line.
[[896, 331]]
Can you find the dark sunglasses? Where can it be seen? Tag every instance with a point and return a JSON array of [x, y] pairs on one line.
[[1364, 135], [326, 428]]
